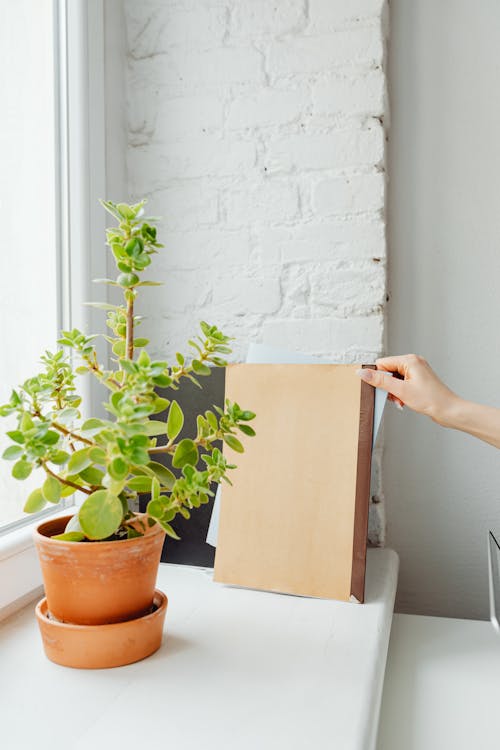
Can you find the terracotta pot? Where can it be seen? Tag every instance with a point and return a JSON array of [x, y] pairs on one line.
[[102, 646], [93, 583]]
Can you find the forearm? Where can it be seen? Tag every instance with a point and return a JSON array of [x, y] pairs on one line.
[[482, 422]]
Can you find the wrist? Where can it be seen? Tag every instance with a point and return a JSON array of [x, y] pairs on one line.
[[452, 412]]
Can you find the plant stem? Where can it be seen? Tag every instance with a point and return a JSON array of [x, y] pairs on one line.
[[130, 325], [162, 449], [70, 434], [67, 482]]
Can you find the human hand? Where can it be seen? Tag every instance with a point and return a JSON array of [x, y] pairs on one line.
[[416, 385]]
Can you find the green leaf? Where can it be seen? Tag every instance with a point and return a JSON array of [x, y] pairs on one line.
[[127, 280], [139, 484], [92, 475], [212, 420], [155, 427], [22, 469], [168, 529], [160, 405], [155, 509], [155, 489], [26, 423], [92, 425], [97, 455], [185, 453], [51, 490], [118, 469], [51, 437], [166, 477], [126, 211], [140, 342], [163, 381], [35, 502], [67, 491], [73, 524], [79, 461], [17, 436], [200, 368], [101, 514], [70, 536], [246, 416], [218, 362], [68, 415], [119, 348], [247, 430], [12, 452], [233, 443], [175, 420], [59, 457]]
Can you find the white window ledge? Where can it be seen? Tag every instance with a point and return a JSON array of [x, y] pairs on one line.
[[21, 580], [264, 671]]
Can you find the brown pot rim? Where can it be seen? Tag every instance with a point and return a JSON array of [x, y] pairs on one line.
[[38, 536], [159, 598]]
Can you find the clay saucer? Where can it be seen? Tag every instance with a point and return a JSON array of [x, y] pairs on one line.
[[102, 646]]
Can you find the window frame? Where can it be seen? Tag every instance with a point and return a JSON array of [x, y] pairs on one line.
[[80, 224]]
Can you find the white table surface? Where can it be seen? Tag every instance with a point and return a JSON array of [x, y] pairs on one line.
[[238, 669], [442, 685]]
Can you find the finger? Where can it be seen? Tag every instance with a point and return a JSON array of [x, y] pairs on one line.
[[398, 363], [395, 400], [382, 380]]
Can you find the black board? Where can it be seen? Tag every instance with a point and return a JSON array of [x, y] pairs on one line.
[[192, 549]]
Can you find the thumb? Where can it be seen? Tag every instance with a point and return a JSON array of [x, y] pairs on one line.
[[380, 379]]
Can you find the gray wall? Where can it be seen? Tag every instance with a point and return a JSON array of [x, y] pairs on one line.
[[443, 487]]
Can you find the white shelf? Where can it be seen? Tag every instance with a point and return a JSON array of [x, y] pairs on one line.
[[442, 685], [238, 669]]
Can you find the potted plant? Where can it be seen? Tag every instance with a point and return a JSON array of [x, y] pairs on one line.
[[100, 564]]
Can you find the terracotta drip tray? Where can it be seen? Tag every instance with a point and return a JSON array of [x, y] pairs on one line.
[[102, 646]]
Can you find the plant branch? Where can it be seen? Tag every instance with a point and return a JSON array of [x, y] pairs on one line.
[[130, 326], [70, 434], [67, 482]]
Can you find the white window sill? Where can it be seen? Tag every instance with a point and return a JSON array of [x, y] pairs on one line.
[[21, 580], [264, 671]]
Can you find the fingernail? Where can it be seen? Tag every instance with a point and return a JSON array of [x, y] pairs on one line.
[[365, 374]]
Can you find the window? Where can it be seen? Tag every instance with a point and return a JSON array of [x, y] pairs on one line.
[[29, 283], [52, 173]]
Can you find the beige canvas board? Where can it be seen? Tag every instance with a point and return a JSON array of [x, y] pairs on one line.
[[288, 523]]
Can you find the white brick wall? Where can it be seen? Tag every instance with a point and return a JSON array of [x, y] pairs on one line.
[[254, 128]]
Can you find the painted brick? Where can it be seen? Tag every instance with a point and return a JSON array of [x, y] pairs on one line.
[[187, 116], [350, 94], [267, 202], [209, 156], [319, 54], [334, 150], [183, 206], [253, 127], [326, 336], [268, 107], [349, 195], [248, 294], [202, 250], [325, 241], [182, 69], [197, 25], [330, 15], [256, 18], [347, 287]]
